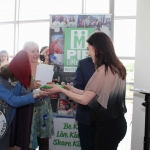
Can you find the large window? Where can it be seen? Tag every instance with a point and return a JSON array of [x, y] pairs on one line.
[[125, 8], [37, 32], [96, 6], [25, 20], [7, 38], [129, 64], [7, 10], [124, 37], [41, 9]]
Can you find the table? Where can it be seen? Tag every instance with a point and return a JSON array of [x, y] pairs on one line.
[[146, 104]]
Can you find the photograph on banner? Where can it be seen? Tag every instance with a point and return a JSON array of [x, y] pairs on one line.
[[106, 26], [60, 22], [57, 60], [64, 105], [56, 45], [98, 22]]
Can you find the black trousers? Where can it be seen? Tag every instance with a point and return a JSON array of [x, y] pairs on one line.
[[43, 143], [109, 135]]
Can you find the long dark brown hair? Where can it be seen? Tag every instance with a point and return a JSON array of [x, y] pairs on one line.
[[42, 49], [105, 54]]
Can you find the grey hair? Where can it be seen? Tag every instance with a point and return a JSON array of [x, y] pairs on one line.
[[30, 44]]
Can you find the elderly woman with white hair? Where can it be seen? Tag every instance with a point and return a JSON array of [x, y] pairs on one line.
[[40, 127]]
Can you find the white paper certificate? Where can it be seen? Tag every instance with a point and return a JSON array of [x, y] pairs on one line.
[[44, 73]]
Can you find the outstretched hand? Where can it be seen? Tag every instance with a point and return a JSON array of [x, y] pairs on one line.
[[54, 88], [43, 93], [66, 86]]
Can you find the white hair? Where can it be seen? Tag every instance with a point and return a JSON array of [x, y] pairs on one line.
[[30, 45]]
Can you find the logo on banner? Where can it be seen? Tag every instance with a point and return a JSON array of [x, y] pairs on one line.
[[75, 47], [78, 39]]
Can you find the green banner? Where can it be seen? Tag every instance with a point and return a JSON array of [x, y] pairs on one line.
[[75, 47]]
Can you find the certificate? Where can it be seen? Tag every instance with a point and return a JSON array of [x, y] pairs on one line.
[[44, 73]]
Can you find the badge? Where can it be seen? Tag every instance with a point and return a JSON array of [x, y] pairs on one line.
[[3, 125]]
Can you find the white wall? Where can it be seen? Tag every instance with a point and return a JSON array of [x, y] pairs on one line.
[[142, 71]]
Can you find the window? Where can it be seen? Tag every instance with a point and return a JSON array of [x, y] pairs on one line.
[[7, 38], [7, 10], [37, 32], [96, 6], [66, 7], [125, 7], [41, 9], [124, 37], [25, 20], [129, 64]]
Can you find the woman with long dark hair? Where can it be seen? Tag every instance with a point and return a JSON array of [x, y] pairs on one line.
[[104, 93]]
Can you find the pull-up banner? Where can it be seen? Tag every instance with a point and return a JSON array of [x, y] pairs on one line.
[[67, 45]]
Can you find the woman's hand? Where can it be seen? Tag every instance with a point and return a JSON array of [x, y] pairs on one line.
[[40, 94], [35, 85], [68, 87], [54, 88]]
